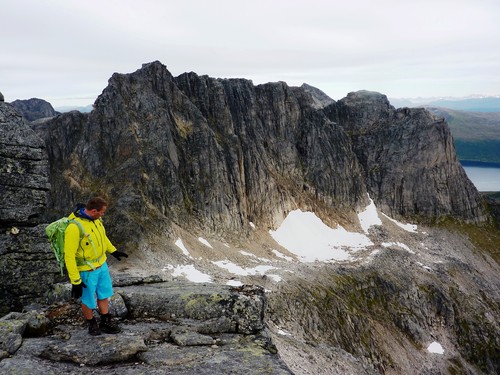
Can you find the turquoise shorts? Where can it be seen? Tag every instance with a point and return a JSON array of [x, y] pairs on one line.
[[98, 284]]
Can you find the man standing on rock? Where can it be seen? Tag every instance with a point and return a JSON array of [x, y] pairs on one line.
[[85, 247]]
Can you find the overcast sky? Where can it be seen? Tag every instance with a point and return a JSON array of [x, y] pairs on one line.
[[64, 51]]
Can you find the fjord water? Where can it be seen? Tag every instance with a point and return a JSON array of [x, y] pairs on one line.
[[485, 176]]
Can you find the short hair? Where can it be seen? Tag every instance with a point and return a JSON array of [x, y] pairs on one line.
[[96, 203]]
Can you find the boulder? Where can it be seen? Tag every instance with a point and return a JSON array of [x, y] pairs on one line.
[[217, 308]]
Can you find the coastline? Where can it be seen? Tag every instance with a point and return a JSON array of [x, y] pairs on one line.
[[481, 164]]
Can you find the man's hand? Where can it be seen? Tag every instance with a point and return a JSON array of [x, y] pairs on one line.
[[76, 290], [119, 254]]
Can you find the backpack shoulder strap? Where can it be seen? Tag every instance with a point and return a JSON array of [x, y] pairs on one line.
[[80, 227]]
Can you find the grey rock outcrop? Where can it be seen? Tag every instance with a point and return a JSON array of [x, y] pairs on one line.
[[26, 264], [170, 327], [409, 160], [34, 109]]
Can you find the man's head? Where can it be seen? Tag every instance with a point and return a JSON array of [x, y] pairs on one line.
[[96, 207]]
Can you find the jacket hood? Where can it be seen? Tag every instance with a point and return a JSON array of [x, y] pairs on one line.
[[79, 211]]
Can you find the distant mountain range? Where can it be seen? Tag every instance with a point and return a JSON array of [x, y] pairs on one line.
[[83, 109], [472, 103]]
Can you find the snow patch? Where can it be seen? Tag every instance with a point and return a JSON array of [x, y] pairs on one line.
[[254, 256], [435, 347], [205, 242], [189, 272], [237, 270], [305, 235], [284, 332], [275, 278], [234, 283], [252, 225], [424, 266], [369, 217], [181, 246], [247, 254]]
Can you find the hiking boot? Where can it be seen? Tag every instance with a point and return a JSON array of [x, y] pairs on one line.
[[107, 325], [94, 329]]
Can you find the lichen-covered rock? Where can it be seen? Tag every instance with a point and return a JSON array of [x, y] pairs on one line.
[[83, 348], [218, 307], [180, 344], [11, 331], [34, 323]]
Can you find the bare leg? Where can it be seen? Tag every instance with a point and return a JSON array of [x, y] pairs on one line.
[[87, 312], [103, 305]]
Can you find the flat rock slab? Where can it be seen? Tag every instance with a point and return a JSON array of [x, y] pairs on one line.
[[144, 348], [85, 349], [246, 355]]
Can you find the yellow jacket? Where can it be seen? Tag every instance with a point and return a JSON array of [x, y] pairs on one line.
[[87, 253]]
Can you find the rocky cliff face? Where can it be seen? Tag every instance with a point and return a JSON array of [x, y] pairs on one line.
[[214, 153], [222, 152], [24, 188], [408, 157]]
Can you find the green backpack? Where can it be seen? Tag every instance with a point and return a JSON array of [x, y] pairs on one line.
[[55, 232]]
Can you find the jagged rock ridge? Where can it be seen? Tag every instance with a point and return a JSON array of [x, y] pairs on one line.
[[224, 152]]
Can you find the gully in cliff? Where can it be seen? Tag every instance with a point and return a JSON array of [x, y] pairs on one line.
[[85, 258]]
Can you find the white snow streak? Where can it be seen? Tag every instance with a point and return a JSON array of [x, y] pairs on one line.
[[181, 246], [205, 242], [369, 217], [237, 270]]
